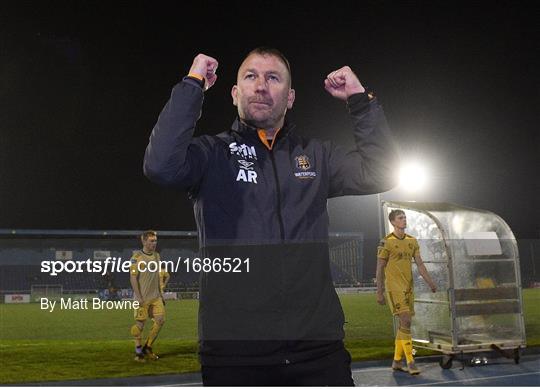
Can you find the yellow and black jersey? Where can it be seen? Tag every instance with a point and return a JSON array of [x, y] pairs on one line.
[[146, 268], [399, 253]]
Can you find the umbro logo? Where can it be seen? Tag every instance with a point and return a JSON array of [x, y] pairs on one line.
[[245, 164], [246, 172]]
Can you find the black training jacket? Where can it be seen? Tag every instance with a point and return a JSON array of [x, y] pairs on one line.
[[268, 206]]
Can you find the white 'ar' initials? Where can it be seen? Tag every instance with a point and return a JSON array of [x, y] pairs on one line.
[[250, 177]]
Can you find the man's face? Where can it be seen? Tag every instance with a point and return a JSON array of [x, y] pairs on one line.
[[400, 221], [149, 244], [263, 92]]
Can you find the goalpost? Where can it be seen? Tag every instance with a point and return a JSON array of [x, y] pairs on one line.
[[50, 291], [346, 255], [193, 295]]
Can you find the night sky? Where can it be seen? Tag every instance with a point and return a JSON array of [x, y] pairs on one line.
[[82, 84]]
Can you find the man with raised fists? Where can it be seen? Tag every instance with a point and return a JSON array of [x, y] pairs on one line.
[[259, 193]]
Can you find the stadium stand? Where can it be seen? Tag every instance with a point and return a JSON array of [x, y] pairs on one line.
[[21, 253]]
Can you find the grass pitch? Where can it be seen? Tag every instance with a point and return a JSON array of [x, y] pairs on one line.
[[38, 346]]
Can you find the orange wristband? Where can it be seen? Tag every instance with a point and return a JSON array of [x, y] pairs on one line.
[[197, 76]]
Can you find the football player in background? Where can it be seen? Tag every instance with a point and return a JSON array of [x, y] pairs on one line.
[[145, 280], [394, 271]]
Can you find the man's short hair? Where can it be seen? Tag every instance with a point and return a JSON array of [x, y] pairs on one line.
[[394, 213], [147, 234], [265, 50]]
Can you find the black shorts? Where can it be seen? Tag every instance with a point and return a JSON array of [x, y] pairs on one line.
[[330, 370]]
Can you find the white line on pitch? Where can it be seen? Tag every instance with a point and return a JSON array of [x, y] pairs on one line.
[[388, 368], [475, 379]]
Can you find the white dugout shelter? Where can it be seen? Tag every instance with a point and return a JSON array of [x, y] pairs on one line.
[[472, 255]]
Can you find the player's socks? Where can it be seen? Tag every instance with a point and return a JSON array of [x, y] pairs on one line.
[[138, 349], [154, 331], [407, 349], [398, 350], [136, 332], [407, 344]]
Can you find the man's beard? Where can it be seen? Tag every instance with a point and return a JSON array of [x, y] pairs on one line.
[[269, 121]]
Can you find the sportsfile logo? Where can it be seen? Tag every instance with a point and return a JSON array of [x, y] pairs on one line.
[[246, 172], [117, 265], [243, 150]]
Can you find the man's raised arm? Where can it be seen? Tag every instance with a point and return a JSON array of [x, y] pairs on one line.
[[371, 167], [173, 157]]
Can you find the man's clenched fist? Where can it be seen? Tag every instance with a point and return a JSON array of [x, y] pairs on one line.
[[343, 83], [206, 67]]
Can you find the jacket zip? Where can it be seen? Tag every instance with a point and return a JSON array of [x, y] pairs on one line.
[[282, 234], [281, 228]]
